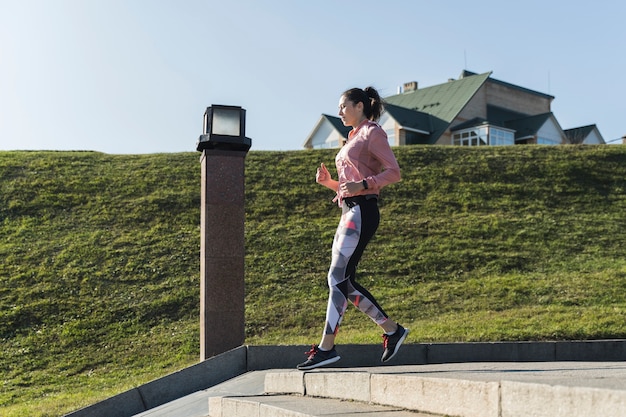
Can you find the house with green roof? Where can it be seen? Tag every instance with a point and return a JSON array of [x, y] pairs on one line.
[[473, 110]]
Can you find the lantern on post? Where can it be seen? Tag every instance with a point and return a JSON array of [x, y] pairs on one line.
[[224, 128], [224, 147]]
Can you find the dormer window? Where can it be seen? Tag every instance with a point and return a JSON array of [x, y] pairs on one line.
[[484, 135]]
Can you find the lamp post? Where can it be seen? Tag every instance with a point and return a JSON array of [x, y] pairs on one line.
[[224, 147]]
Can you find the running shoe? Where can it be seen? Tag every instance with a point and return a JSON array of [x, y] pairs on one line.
[[391, 343], [318, 357]]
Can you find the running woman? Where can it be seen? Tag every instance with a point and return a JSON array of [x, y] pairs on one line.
[[365, 164]]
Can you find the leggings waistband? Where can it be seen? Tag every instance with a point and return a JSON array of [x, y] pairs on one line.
[[359, 199]]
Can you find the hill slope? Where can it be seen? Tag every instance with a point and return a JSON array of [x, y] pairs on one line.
[[99, 280]]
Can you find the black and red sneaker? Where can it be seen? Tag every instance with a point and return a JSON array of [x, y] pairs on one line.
[[318, 357], [391, 343]]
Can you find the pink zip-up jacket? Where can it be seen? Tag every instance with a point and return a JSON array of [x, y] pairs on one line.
[[367, 156]]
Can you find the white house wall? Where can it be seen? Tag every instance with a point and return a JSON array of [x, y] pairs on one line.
[[389, 126], [551, 130], [593, 139], [325, 136]]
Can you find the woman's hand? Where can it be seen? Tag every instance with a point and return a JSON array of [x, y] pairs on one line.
[[322, 174], [351, 188]]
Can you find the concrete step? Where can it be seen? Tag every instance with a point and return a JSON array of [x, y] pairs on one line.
[[436, 396], [478, 390], [490, 390], [300, 406]]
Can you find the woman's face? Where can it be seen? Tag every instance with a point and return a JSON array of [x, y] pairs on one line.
[[351, 114]]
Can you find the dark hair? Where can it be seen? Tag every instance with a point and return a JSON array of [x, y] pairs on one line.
[[373, 105]]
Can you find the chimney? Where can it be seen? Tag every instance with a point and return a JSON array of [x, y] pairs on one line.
[[410, 86]]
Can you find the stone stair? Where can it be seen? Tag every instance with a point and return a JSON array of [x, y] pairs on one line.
[[483, 390], [303, 406], [358, 393]]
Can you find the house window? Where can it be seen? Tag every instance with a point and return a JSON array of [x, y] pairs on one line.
[[501, 137], [482, 136], [547, 141], [471, 137]]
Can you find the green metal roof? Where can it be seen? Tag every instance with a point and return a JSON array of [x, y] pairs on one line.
[[443, 102]]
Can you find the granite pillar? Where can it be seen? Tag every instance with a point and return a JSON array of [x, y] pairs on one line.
[[221, 251]]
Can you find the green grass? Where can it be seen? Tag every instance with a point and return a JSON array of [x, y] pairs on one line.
[[99, 279]]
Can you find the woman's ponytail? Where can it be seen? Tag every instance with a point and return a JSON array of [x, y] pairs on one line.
[[376, 103]]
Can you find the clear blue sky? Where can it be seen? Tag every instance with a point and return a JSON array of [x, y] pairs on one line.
[[135, 76]]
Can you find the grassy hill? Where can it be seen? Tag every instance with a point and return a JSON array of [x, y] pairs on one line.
[[99, 279]]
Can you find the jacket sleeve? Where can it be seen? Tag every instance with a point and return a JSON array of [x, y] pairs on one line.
[[381, 151]]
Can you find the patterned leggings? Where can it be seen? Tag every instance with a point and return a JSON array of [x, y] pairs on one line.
[[357, 226]]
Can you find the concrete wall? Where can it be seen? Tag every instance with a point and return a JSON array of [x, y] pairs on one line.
[[201, 376]]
